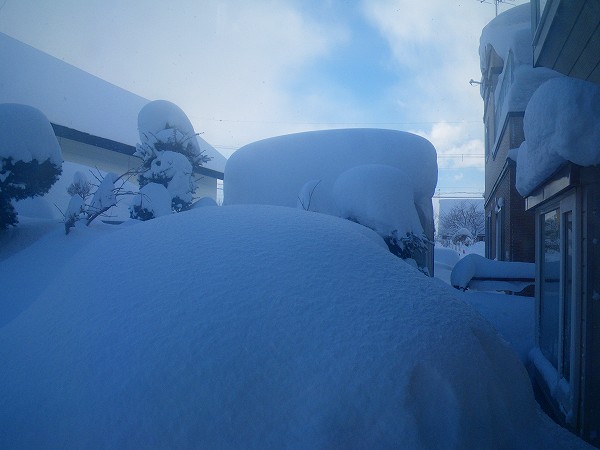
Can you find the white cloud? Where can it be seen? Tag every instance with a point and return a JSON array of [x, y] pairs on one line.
[[454, 151]]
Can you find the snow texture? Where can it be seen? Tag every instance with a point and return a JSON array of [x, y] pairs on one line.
[[504, 275], [284, 170], [154, 198], [562, 123], [26, 135], [379, 197], [302, 331]]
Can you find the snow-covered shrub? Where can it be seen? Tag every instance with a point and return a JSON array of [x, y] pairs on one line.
[[169, 150], [105, 196], [462, 236], [30, 157], [379, 197], [152, 201]]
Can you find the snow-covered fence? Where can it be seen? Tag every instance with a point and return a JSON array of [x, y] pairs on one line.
[[479, 273]]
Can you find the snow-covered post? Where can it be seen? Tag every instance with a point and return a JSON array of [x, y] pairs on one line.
[[30, 157], [169, 150]]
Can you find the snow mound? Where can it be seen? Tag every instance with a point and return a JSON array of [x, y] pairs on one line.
[[283, 170], [26, 135], [300, 331], [562, 123]]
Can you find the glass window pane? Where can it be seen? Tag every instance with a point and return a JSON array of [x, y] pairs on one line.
[[567, 289], [549, 286]]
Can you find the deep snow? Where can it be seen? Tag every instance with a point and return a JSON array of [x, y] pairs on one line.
[[249, 326], [324, 168]]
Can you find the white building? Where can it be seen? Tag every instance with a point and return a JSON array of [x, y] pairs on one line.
[[95, 121]]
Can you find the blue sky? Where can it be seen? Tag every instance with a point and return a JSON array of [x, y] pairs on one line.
[[248, 70]]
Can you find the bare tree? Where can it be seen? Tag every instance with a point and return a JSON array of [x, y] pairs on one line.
[[466, 214]]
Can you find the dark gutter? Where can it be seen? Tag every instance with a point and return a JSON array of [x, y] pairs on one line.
[[115, 146]]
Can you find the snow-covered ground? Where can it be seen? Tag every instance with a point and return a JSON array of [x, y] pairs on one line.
[[300, 330]]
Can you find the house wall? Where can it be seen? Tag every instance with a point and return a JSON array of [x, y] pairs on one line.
[[518, 225], [92, 156]]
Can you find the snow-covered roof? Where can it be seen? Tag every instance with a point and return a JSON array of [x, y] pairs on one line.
[[562, 123], [509, 34], [509, 31], [73, 98]]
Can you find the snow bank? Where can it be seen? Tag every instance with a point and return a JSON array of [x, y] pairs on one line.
[[506, 275], [283, 170], [562, 123], [301, 331], [26, 135]]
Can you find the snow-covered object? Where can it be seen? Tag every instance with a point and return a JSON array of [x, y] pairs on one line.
[[164, 121], [301, 332], [509, 35], [379, 197], [509, 31], [176, 168], [154, 199], [562, 123], [274, 171], [462, 232], [26, 135], [505, 275], [306, 194], [57, 199], [75, 208], [104, 197]]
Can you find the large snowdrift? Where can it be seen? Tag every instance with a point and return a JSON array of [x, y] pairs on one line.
[[562, 123], [301, 331], [281, 170]]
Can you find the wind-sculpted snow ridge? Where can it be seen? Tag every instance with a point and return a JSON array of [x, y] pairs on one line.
[[300, 331]]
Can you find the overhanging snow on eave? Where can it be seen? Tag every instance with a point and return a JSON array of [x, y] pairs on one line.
[[565, 177]]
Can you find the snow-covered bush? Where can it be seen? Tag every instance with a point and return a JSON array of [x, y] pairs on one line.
[[152, 201], [380, 197], [30, 157], [462, 236], [109, 188], [169, 150]]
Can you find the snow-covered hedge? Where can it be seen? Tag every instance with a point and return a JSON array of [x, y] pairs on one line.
[[30, 157]]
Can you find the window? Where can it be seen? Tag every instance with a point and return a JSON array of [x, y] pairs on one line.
[[549, 283], [559, 313]]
